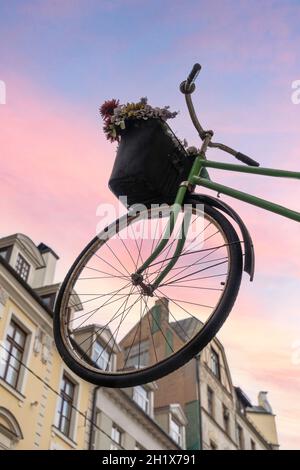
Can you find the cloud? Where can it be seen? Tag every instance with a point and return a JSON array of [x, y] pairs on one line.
[[55, 166]]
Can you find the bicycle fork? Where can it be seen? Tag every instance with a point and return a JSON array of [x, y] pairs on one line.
[[185, 186]]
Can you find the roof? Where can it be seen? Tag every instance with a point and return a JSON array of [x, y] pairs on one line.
[[27, 245], [46, 249], [186, 328], [257, 409], [243, 397]]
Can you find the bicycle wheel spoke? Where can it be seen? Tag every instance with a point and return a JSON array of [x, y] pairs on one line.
[[187, 302], [201, 270], [109, 264], [185, 268], [168, 252], [104, 304], [124, 244], [139, 248], [94, 310], [154, 348], [102, 328], [194, 279], [159, 328], [103, 272], [193, 287], [194, 239], [175, 302], [98, 296], [189, 313], [140, 336], [118, 259], [114, 334], [132, 343], [99, 277], [191, 253], [175, 268], [97, 310]]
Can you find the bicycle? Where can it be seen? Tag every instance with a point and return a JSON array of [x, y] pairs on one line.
[[125, 275]]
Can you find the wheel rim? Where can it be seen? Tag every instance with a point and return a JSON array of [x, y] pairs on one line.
[[124, 316]]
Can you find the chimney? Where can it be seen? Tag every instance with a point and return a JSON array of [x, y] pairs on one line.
[[162, 305], [264, 419], [263, 402], [45, 276]]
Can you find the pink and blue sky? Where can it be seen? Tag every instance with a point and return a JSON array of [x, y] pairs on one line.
[[61, 59]]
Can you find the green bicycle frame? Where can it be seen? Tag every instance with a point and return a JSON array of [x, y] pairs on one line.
[[195, 178]]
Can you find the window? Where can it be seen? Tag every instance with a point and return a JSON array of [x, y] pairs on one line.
[[49, 300], [138, 355], [253, 445], [215, 363], [210, 402], [141, 397], [4, 253], [175, 431], [116, 438], [101, 356], [13, 353], [10, 431], [226, 419], [213, 445], [22, 267], [66, 404], [241, 440]]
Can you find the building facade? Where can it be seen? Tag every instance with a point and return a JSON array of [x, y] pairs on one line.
[[43, 405], [217, 415]]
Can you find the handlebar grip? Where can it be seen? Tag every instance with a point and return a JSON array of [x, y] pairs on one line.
[[243, 158], [193, 74]]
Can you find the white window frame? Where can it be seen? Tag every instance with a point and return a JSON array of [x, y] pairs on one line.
[[27, 351], [176, 435], [215, 364], [114, 444], [141, 398], [106, 357], [25, 262], [74, 418]]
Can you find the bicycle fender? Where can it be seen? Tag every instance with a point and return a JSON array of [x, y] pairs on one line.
[[249, 259]]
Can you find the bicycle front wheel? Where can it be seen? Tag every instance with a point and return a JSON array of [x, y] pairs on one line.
[[112, 333]]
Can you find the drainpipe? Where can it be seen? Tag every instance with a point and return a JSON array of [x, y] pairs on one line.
[[93, 419], [197, 358]]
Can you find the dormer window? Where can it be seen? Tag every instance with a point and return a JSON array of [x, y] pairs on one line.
[[141, 398], [4, 253], [101, 357], [22, 267]]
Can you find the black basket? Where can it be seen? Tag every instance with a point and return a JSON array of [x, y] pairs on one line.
[[150, 163]]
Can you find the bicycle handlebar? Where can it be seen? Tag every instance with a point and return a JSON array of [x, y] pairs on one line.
[[243, 158], [187, 87], [193, 74]]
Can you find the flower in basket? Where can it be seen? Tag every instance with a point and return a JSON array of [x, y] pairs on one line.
[[116, 116]]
